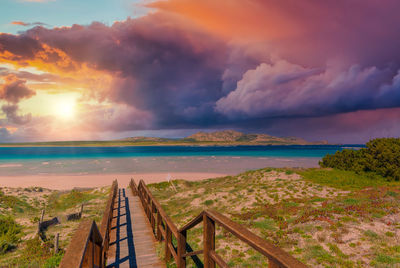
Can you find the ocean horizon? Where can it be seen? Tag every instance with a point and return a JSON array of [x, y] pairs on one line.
[[10, 154], [16, 161]]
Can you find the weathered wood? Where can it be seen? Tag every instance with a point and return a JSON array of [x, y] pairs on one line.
[[181, 250], [56, 238], [46, 224], [164, 215], [42, 216], [217, 259], [132, 240], [159, 234], [106, 221], [168, 241], [208, 240], [153, 219], [80, 250], [193, 253], [277, 255], [75, 216], [198, 219]]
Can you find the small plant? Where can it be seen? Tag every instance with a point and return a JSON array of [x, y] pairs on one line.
[[208, 202], [10, 234]]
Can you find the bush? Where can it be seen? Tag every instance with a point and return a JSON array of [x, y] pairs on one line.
[[38, 254], [382, 156], [10, 234]]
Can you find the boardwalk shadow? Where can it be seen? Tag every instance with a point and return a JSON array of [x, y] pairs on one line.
[[121, 243]]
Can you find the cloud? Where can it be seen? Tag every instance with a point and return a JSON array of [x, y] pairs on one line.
[[11, 112], [22, 23], [211, 64], [14, 90], [283, 89], [4, 134]]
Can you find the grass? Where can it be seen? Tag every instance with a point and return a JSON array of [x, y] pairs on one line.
[[17, 205], [346, 180], [20, 211], [309, 213]]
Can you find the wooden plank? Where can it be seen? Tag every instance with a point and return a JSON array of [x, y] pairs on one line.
[[143, 235], [221, 263]]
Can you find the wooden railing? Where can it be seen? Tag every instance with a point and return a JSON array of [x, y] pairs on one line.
[[89, 246], [164, 229]]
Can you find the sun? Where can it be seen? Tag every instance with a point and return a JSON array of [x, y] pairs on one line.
[[65, 108]]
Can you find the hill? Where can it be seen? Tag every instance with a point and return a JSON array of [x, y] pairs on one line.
[[233, 136], [225, 137]]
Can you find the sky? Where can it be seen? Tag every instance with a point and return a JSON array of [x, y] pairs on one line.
[[108, 69]]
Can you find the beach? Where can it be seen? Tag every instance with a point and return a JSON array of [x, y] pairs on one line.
[[66, 182], [63, 168], [63, 174]]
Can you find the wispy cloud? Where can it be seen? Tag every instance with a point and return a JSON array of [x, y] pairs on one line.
[[22, 23]]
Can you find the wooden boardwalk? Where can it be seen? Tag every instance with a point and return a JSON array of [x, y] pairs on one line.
[[132, 243]]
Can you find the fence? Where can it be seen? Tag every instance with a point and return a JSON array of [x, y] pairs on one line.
[[89, 246], [164, 229]]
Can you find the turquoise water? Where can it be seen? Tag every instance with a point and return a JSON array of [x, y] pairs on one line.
[[10, 154], [147, 159]]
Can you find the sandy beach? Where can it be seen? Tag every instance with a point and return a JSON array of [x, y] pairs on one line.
[[66, 182]]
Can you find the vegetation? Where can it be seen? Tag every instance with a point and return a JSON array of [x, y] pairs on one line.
[[10, 233], [381, 157], [227, 137], [20, 211], [324, 217]]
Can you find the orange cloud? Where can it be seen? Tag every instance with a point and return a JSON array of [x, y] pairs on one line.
[[232, 18]]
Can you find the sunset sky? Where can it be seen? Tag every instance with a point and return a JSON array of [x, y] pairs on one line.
[[107, 69]]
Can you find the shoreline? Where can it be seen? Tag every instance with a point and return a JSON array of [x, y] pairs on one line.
[[70, 181], [222, 144]]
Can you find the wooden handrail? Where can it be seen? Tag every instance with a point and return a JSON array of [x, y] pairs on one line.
[[89, 246], [85, 248], [166, 228], [105, 226]]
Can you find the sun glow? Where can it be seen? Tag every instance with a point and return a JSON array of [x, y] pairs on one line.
[[65, 108]]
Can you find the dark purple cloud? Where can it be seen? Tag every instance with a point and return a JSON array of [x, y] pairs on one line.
[[283, 89], [298, 60]]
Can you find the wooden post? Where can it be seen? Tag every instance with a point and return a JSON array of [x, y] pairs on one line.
[[152, 220], [56, 243], [168, 240], [39, 228], [42, 216], [159, 235], [181, 250], [80, 213], [209, 241]]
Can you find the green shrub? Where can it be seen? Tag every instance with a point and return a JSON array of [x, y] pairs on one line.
[[10, 234], [382, 156]]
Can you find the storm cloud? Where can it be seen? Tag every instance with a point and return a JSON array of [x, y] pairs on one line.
[[194, 64]]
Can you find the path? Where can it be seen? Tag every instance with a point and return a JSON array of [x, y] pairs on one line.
[[132, 243]]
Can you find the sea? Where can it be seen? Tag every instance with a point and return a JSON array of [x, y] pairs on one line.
[[125, 159]]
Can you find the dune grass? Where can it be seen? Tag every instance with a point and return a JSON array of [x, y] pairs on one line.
[[19, 214], [323, 217]]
